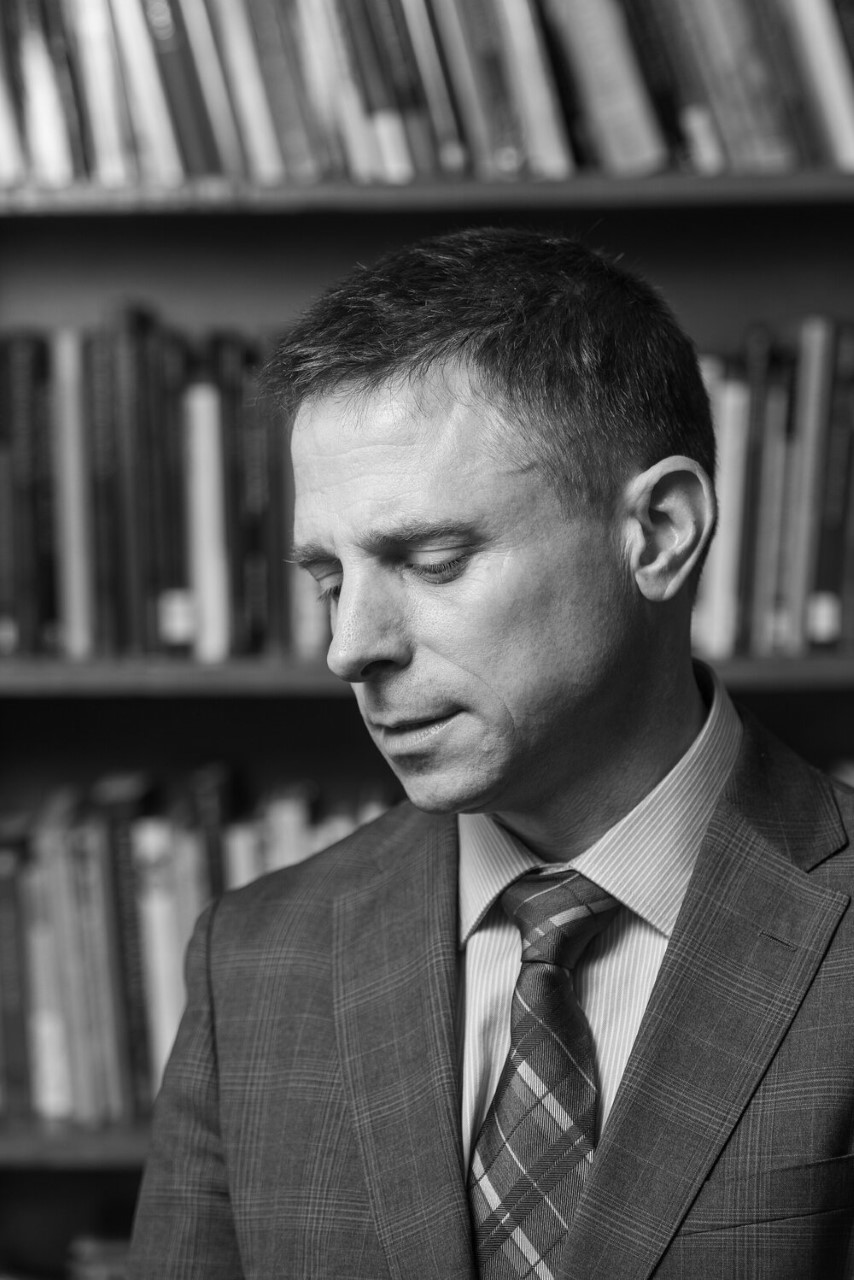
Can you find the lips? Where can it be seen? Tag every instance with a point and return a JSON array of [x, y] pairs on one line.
[[412, 724]]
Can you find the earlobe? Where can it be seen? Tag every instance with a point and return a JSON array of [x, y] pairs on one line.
[[670, 513]]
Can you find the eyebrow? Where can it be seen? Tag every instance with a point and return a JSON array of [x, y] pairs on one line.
[[404, 533]]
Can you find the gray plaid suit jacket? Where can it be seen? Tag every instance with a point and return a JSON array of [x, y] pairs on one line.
[[308, 1125]]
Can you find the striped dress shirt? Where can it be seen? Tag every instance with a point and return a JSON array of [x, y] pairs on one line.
[[645, 861]]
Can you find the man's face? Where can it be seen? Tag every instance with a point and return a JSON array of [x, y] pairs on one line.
[[486, 633]]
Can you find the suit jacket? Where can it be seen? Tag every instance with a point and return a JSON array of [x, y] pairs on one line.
[[308, 1124]]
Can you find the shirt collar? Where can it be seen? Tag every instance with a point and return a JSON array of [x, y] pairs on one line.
[[646, 860]]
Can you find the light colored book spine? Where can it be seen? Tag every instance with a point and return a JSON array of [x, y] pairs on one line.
[[243, 854], [246, 81], [595, 38], [207, 529], [160, 938], [45, 129], [157, 144], [308, 617], [818, 41], [74, 547], [813, 390], [213, 85], [767, 576], [715, 623], [332, 63], [52, 1090], [286, 828], [465, 79], [92, 24], [547, 143]]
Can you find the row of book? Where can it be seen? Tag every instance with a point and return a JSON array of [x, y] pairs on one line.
[[120, 92], [145, 499], [780, 575], [99, 892]]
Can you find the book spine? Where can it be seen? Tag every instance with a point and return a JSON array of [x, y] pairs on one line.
[[46, 128], [776, 38], [341, 101], [286, 95], [21, 359], [766, 600], [14, 163], [596, 43], [162, 956], [154, 131], [376, 91], [90, 24], [255, 503], [52, 1093], [757, 360], [397, 56], [74, 534], [452, 149], [207, 523], [60, 46], [699, 127], [529, 74], [824, 605], [183, 91], [813, 384], [15, 1074], [240, 60], [98, 370], [175, 622], [9, 630], [827, 72], [213, 86]]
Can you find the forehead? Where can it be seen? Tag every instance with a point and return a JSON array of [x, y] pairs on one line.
[[410, 441]]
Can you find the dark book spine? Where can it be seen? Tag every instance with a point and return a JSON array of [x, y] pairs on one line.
[[227, 356], [211, 791], [181, 83], [9, 631], [99, 401], [827, 601], [129, 939], [60, 46], [398, 57], [174, 595], [23, 355], [658, 74], [134, 391], [44, 507], [254, 624], [757, 360], [14, 1050]]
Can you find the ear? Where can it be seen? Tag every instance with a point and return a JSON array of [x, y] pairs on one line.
[[670, 516]]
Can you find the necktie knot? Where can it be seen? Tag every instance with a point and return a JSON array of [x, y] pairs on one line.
[[557, 916]]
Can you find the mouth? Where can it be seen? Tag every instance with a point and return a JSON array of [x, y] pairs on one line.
[[404, 735]]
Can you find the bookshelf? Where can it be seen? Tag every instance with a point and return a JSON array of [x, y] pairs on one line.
[[211, 251]]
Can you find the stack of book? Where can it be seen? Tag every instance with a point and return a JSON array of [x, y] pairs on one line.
[[145, 499], [98, 896], [780, 575], [269, 92]]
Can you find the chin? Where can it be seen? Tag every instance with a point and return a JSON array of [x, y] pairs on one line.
[[444, 795]]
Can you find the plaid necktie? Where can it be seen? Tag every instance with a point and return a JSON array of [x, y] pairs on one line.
[[537, 1140]]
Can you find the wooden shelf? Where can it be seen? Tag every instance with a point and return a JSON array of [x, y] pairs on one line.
[[40, 1146], [135, 677], [588, 190], [265, 678]]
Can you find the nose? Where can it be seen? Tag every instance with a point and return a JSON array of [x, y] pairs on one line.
[[369, 632]]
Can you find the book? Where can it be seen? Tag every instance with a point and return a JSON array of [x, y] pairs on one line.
[[72, 478], [241, 62], [59, 40], [471, 46], [23, 402], [740, 86], [213, 87], [776, 36], [765, 602], [810, 423], [396, 55], [338, 91], [183, 90], [451, 146], [45, 124], [118, 800], [699, 127], [257, 510], [9, 560], [173, 623], [824, 610], [372, 78], [545, 137], [301, 149], [99, 397], [158, 152], [758, 355], [15, 1074], [596, 46], [14, 163], [660, 77], [102, 91], [207, 520], [818, 41]]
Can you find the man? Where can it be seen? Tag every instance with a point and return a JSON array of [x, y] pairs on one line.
[[584, 1007]]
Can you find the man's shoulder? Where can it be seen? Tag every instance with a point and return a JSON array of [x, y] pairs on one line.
[[302, 894]]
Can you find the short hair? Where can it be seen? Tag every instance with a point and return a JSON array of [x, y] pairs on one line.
[[585, 361]]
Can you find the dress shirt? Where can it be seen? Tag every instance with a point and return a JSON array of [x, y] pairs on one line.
[[644, 861]]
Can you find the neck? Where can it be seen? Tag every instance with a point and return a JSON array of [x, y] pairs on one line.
[[608, 781]]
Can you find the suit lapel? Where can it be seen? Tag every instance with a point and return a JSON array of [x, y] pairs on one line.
[[395, 943], [750, 936]]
